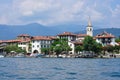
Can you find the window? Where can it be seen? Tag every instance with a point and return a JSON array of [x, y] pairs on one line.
[[44, 46], [37, 45], [24, 48], [33, 46]]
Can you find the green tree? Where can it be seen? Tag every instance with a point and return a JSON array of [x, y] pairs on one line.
[[45, 50], [104, 49], [89, 44], [97, 48], [117, 40], [29, 47], [78, 49], [117, 48], [110, 49], [15, 48], [59, 46]]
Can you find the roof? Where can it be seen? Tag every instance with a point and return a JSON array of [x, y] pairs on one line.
[[10, 41], [67, 34], [41, 38], [82, 35], [52, 37], [24, 39], [119, 43], [0, 41], [105, 35], [23, 35], [77, 42]]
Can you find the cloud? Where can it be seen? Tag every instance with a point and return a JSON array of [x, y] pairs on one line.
[[55, 12], [116, 11], [58, 11]]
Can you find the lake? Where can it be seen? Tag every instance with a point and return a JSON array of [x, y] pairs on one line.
[[59, 69]]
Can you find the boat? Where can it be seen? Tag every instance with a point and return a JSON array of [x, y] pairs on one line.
[[20, 55], [1, 56], [36, 55]]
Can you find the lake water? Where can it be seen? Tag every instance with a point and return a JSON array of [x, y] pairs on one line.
[[59, 69]]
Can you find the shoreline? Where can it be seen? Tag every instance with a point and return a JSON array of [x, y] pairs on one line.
[[62, 56]]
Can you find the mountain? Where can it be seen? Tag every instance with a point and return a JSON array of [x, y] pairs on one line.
[[70, 27], [35, 29], [114, 31]]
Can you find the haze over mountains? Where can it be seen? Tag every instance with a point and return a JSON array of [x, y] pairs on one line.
[[35, 29]]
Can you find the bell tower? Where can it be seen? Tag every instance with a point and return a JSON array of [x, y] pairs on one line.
[[89, 29]]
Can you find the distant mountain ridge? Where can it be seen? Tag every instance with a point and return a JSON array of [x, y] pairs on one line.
[[35, 29], [114, 31], [10, 32]]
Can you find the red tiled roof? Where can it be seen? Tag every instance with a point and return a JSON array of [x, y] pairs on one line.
[[41, 38], [26, 40], [0, 41], [52, 37], [81, 35], [11, 41], [67, 34], [21, 35], [119, 43], [105, 35], [77, 42]]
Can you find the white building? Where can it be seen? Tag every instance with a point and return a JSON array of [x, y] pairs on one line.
[[39, 42], [67, 35], [105, 39], [24, 42]]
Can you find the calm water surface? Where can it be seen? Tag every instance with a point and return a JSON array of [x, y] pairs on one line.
[[59, 69]]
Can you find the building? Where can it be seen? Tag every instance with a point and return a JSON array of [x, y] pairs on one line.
[[39, 42], [105, 39], [25, 42], [67, 35]]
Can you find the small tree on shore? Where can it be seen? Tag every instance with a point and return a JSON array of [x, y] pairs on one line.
[[45, 51], [15, 48], [59, 46], [117, 48], [117, 40], [89, 44], [78, 49]]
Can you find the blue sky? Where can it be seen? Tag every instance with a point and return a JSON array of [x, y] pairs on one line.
[[103, 13]]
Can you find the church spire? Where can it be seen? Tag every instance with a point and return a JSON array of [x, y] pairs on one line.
[[89, 22], [89, 28]]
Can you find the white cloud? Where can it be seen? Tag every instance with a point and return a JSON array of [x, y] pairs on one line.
[[50, 12], [59, 11], [3, 20], [116, 11], [29, 7]]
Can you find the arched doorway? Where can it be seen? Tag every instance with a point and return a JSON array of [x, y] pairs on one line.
[[35, 51]]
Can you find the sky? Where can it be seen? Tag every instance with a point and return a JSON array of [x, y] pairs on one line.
[[103, 13]]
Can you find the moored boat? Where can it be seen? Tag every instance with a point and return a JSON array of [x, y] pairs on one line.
[[1, 56]]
